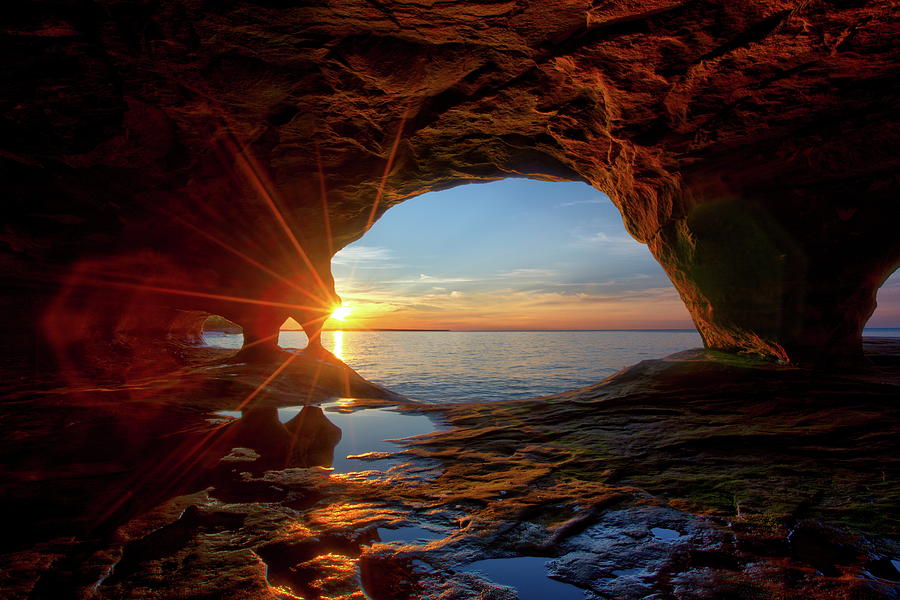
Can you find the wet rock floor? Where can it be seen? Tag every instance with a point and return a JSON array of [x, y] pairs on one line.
[[701, 475]]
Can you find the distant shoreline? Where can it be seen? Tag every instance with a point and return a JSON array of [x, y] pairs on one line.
[[502, 330], [367, 329], [234, 331]]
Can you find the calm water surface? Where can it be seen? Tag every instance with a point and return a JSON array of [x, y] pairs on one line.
[[527, 574], [461, 366], [458, 366]]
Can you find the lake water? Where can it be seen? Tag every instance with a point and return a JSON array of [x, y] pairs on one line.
[[471, 366], [457, 366], [460, 366]]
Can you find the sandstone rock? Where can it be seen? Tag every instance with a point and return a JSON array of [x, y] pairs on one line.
[[701, 475], [227, 150]]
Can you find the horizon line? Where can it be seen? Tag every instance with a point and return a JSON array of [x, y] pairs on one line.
[[501, 330], [489, 330], [506, 330]]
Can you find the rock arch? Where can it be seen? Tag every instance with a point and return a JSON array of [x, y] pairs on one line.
[[750, 145]]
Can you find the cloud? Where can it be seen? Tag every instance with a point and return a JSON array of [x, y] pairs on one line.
[[426, 307], [647, 296], [362, 254], [614, 244], [423, 278], [616, 281], [560, 308], [577, 202], [528, 274], [604, 238]]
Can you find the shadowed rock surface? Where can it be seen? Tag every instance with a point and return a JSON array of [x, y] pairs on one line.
[[701, 475], [170, 159], [171, 156]]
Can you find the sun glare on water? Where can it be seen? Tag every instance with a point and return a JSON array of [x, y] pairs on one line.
[[341, 312]]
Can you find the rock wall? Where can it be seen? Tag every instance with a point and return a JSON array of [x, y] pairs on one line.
[[212, 157]]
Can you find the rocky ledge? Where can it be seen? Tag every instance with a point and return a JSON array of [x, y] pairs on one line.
[[701, 475]]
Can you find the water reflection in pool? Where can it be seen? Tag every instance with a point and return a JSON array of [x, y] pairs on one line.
[[528, 575], [307, 439], [347, 441], [412, 534]]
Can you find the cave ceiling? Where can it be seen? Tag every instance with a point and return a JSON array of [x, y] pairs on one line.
[[138, 136]]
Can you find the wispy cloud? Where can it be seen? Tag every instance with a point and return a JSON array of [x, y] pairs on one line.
[[513, 308], [362, 254], [614, 244], [628, 280], [577, 202], [426, 307], [604, 238], [556, 299], [429, 279], [528, 274]]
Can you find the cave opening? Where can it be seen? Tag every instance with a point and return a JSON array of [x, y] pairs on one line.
[[481, 290], [447, 286], [514, 254], [886, 318], [389, 280], [163, 162]]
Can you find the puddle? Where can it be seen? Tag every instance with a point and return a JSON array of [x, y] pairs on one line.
[[528, 576], [666, 535], [883, 569], [367, 430], [409, 535], [364, 433]]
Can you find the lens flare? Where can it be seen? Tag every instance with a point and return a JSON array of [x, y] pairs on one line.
[[341, 312]]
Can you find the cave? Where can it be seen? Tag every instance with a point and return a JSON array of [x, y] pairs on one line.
[[168, 160], [731, 129]]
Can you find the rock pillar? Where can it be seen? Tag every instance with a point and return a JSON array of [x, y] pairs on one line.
[[790, 274]]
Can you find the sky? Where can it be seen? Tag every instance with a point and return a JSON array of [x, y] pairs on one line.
[[514, 254], [888, 312]]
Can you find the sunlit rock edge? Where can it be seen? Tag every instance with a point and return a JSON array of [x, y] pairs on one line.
[[779, 481]]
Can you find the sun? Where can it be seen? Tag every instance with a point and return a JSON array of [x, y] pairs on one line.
[[341, 312]]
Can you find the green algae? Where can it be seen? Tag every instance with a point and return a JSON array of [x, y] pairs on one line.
[[756, 449], [736, 437]]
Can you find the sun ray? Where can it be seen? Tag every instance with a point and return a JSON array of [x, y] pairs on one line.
[[163, 474], [261, 340], [241, 255], [291, 358], [176, 471], [387, 170], [313, 320], [326, 217], [252, 172], [383, 183], [245, 162], [194, 294]]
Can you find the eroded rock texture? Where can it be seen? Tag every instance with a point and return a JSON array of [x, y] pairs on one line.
[[159, 145]]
